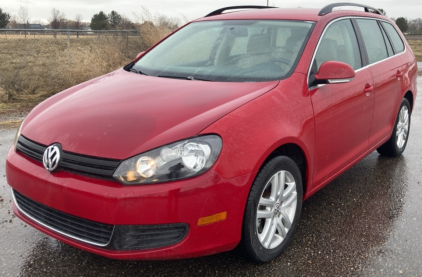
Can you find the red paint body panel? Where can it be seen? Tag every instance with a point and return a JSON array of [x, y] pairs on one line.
[[387, 90], [123, 114], [155, 111], [343, 113], [112, 203], [271, 120], [335, 70]]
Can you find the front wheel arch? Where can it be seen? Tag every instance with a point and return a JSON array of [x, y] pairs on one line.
[[297, 154]]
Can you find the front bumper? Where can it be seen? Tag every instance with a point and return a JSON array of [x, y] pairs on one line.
[[108, 202]]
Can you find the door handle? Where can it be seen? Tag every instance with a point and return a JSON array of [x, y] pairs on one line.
[[399, 74], [368, 89]]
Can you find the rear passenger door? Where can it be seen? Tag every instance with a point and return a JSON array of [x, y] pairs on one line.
[[386, 69], [343, 112]]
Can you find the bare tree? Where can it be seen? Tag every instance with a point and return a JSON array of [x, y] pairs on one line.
[[78, 21], [13, 23], [23, 16], [126, 23], [171, 23], [58, 19]]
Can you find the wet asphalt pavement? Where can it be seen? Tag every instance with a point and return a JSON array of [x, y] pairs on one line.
[[367, 222]]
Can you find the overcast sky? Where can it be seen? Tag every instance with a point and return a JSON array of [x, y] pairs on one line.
[[190, 9]]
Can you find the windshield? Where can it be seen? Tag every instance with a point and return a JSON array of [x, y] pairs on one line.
[[229, 51]]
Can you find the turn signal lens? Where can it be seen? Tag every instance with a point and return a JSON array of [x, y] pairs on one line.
[[212, 218]]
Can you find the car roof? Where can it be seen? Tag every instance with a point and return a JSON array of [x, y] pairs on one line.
[[302, 14]]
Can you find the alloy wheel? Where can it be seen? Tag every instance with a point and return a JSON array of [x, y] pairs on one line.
[[276, 209], [402, 127]]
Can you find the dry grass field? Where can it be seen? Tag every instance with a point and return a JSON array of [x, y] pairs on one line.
[[38, 66], [416, 46], [33, 69]]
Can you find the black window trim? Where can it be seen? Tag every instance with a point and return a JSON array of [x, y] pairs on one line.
[[396, 52], [357, 28], [362, 48], [386, 37]]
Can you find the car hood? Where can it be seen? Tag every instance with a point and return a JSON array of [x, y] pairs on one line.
[[122, 114]]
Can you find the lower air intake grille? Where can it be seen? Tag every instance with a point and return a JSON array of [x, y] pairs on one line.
[[75, 227], [138, 237]]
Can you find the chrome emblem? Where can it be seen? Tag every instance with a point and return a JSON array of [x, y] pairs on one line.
[[51, 157]]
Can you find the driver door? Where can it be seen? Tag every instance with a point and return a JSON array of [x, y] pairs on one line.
[[343, 112]]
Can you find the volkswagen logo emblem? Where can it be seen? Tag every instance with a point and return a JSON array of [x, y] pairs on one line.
[[51, 157]]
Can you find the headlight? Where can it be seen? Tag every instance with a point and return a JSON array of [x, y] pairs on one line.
[[18, 133], [179, 160]]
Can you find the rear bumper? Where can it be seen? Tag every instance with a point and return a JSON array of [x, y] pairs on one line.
[[111, 203]]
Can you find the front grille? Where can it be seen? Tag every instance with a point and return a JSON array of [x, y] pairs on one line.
[[72, 162], [75, 227]]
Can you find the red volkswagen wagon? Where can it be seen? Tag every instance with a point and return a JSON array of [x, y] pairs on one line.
[[214, 136]]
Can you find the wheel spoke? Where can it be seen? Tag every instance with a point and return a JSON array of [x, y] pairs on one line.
[[280, 228], [282, 181], [289, 200], [287, 222], [288, 191], [406, 118], [277, 185], [400, 141], [270, 234], [406, 128], [266, 202], [274, 186], [264, 214]]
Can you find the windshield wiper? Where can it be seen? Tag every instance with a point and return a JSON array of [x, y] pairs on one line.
[[138, 71], [130, 68], [184, 78]]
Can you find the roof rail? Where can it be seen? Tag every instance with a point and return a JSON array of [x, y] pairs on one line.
[[220, 11], [329, 8]]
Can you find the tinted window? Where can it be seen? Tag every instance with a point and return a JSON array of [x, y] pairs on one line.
[[394, 36], [387, 42], [229, 51], [339, 43], [374, 42]]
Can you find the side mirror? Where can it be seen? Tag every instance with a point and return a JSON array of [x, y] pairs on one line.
[[333, 72], [140, 55]]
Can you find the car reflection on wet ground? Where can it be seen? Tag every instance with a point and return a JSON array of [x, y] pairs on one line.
[[366, 222]]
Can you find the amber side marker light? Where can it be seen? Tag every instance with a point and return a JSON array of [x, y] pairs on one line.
[[212, 218]]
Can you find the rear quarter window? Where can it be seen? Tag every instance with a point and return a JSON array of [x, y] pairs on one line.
[[394, 36]]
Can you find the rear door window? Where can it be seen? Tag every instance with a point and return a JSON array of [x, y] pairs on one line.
[[373, 39], [394, 36]]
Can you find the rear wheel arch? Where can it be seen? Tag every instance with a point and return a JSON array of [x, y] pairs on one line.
[[410, 98]]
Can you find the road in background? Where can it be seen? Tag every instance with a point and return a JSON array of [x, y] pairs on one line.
[[367, 222]]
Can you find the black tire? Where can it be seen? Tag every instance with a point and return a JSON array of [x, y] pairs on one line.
[[390, 148], [250, 243]]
